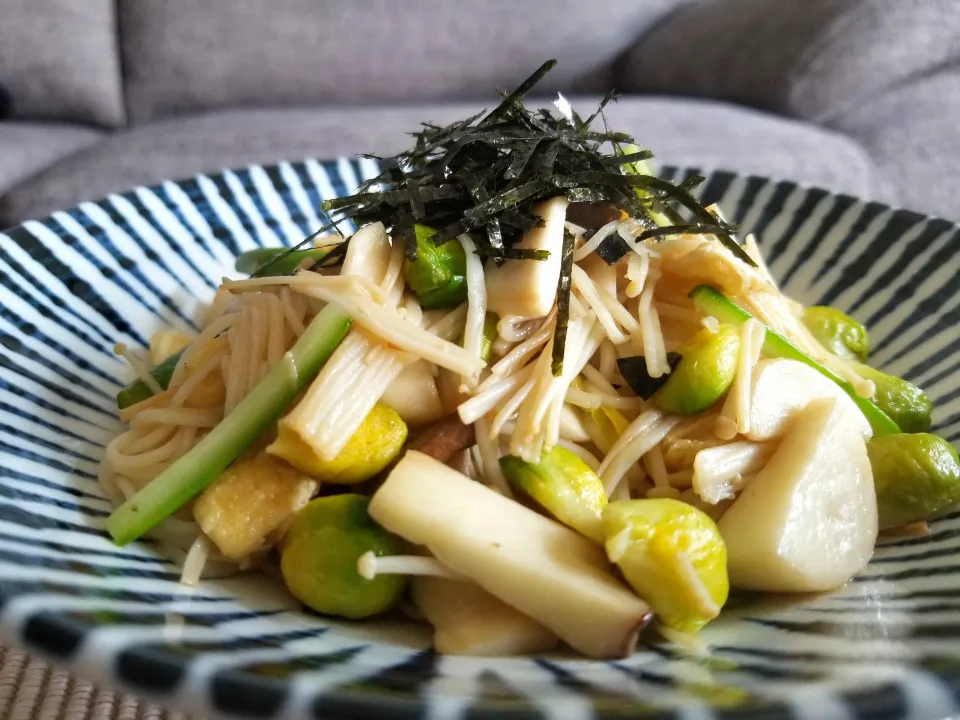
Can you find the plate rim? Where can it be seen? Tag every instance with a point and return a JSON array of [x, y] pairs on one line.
[[51, 632]]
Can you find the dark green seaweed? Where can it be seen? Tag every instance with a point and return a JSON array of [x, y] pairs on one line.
[[634, 371], [563, 304]]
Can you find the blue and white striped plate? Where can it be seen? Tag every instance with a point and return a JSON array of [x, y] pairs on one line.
[[887, 645]]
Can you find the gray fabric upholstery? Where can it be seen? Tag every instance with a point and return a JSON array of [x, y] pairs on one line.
[[884, 72], [26, 148], [60, 60], [814, 59], [184, 56], [913, 135], [686, 132]]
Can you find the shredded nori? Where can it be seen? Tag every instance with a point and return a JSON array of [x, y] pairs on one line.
[[634, 371], [563, 303], [485, 174], [612, 249]]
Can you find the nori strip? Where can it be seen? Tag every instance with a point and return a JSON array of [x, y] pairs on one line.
[[634, 371], [309, 238], [612, 249], [563, 304], [484, 175]]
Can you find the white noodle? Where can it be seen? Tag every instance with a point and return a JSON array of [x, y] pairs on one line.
[[369, 566], [594, 242], [490, 396], [641, 436], [591, 460], [514, 328], [518, 355], [195, 561], [476, 305], [638, 266], [719, 472], [490, 458], [586, 287], [143, 374], [655, 466]]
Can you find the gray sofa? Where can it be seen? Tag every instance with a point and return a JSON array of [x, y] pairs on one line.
[[861, 96]]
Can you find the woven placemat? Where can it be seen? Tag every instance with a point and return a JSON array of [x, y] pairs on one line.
[[31, 689]]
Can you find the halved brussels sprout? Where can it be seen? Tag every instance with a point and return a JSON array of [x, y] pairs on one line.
[[705, 373], [672, 555], [320, 552], [916, 476]]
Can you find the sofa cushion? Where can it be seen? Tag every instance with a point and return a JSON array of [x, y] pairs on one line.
[[184, 56], [913, 135], [26, 148], [702, 134], [816, 59], [59, 60]]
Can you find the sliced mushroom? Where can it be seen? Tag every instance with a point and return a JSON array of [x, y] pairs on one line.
[[808, 521], [537, 566], [782, 388]]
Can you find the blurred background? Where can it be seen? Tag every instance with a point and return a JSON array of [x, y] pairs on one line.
[[859, 96]]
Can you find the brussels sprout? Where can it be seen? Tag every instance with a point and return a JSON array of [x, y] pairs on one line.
[[706, 371], [369, 450], [916, 476], [320, 552], [672, 555], [490, 333], [906, 404], [837, 332], [439, 274], [564, 485]]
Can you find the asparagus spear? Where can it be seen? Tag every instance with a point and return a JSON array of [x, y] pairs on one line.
[[189, 475], [252, 260], [710, 302], [138, 390]]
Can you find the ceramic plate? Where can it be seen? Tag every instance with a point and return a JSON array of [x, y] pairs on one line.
[[886, 645]]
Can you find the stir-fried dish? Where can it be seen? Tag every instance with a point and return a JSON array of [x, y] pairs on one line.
[[538, 396]]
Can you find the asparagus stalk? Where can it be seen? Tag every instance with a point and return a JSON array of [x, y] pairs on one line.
[[138, 390], [193, 472], [712, 303], [253, 260]]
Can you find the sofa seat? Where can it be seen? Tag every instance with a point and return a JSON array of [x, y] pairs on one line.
[[26, 148], [703, 134]]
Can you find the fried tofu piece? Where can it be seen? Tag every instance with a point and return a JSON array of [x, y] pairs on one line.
[[250, 504]]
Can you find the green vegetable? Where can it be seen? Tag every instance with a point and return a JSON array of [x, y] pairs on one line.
[[710, 302], [563, 485], [189, 475], [489, 336], [672, 555], [906, 404], [837, 332], [282, 261], [641, 167], [373, 446], [706, 370], [138, 391], [320, 553], [916, 476], [439, 274], [490, 333], [564, 285]]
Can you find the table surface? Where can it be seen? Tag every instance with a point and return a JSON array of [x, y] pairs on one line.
[[31, 689]]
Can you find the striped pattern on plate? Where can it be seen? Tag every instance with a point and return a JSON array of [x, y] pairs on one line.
[[887, 645]]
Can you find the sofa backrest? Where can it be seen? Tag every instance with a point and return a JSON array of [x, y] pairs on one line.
[[194, 55], [60, 60], [116, 62]]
